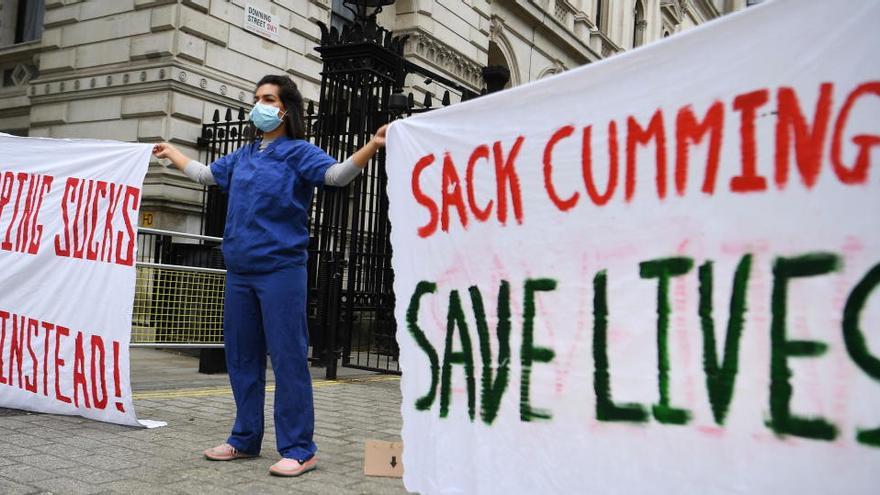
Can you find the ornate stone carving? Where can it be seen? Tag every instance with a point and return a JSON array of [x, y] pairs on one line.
[[561, 11], [607, 49], [167, 74], [670, 10], [683, 7], [445, 57], [496, 27], [21, 74], [556, 68]]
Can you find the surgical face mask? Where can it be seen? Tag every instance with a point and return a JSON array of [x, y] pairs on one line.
[[266, 117]]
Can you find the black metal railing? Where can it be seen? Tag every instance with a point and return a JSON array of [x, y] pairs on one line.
[[350, 279]]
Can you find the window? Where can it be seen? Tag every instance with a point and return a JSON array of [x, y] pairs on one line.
[[601, 15], [21, 21], [639, 24], [30, 20]]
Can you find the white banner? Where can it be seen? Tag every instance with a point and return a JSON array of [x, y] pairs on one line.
[[656, 274], [68, 241]]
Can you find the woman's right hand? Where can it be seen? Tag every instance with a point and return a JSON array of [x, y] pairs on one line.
[[169, 152], [164, 150]]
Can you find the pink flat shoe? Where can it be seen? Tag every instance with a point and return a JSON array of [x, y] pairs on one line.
[[292, 467], [225, 452]]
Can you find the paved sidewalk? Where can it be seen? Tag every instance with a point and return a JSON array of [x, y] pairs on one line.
[[42, 453]]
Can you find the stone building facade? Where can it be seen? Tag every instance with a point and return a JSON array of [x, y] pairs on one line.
[[154, 70]]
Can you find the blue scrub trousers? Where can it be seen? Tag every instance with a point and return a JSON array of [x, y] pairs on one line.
[[267, 311]]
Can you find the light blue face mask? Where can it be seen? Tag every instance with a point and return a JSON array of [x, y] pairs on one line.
[[266, 117]]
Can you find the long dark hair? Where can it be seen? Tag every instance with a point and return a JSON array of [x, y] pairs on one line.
[[293, 102]]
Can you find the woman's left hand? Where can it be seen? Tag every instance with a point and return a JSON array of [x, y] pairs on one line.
[[379, 137], [362, 156]]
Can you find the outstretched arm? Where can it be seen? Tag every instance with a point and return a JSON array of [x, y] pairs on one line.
[[167, 151], [362, 156], [193, 169], [343, 173]]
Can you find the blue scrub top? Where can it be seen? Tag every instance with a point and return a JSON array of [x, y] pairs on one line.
[[270, 194]]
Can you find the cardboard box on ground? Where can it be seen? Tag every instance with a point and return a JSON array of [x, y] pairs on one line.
[[383, 459]]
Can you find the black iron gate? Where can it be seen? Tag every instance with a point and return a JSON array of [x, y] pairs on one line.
[[351, 300]]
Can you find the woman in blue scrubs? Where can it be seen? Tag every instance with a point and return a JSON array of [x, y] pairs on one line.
[[270, 184]]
